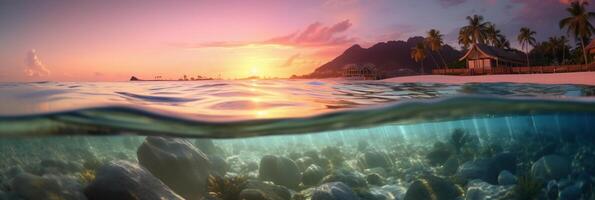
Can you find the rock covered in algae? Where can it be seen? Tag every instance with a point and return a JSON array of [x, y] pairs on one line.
[[176, 162], [280, 170], [29, 186], [126, 180], [551, 167], [334, 191], [434, 188]]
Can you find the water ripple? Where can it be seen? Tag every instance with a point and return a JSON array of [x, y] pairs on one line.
[[152, 98]]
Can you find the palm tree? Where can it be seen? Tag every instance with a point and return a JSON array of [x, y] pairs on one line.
[[492, 34], [526, 37], [495, 38], [552, 45], [475, 31], [557, 43], [435, 42], [578, 23], [464, 39], [418, 53], [502, 42], [562, 41]]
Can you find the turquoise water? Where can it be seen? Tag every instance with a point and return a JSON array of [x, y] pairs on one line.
[[286, 139]]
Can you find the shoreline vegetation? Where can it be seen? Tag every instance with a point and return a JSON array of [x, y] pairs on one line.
[[429, 53]]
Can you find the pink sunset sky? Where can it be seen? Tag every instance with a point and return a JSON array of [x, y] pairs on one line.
[[68, 40]]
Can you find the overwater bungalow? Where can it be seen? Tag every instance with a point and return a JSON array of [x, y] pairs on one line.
[[361, 72], [482, 58]]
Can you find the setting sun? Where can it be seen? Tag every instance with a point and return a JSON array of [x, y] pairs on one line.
[[254, 71]]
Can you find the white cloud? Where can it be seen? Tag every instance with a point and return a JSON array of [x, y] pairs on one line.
[[34, 66]]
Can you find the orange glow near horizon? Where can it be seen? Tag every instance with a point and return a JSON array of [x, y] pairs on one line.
[[113, 40]]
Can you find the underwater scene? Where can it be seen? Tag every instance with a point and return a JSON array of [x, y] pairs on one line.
[[296, 140]]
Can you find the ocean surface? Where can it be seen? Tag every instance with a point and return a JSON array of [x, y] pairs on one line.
[[296, 139]]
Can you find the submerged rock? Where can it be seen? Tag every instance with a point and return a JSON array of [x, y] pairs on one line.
[[256, 190], [29, 186], [451, 166], [480, 190], [506, 178], [125, 180], [551, 167], [487, 169], [351, 178], [312, 175], [375, 179], [552, 190], [208, 147], [439, 154], [279, 170], [397, 192], [176, 162], [570, 193], [378, 170], [434, 188], [476, 169], [219, 165], [373, 159], [333, 154], [334, 191]]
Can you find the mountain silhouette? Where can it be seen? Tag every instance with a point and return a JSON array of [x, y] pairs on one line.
[[391, 58]]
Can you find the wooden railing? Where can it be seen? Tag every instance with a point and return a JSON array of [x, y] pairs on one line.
[[516, 70]]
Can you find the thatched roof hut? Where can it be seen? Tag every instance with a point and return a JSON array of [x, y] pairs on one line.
[[484, 57]]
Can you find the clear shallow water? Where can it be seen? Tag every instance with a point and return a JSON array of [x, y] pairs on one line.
[[383, 140]]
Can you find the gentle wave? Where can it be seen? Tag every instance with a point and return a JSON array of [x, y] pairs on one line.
[[270, 98], [143, 121], [153, 98]]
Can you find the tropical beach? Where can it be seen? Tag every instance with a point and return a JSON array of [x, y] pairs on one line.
[[297, 100], [581, 78]]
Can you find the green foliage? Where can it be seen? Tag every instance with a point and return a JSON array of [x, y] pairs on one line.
[[475, 32], [528, 188], [226, 188]]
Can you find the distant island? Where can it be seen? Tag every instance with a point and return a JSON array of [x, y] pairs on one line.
[[392, 58], [184, 78]]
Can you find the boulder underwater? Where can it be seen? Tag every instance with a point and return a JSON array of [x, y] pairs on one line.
[[177, 163], [126, 180], [280, 170]]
